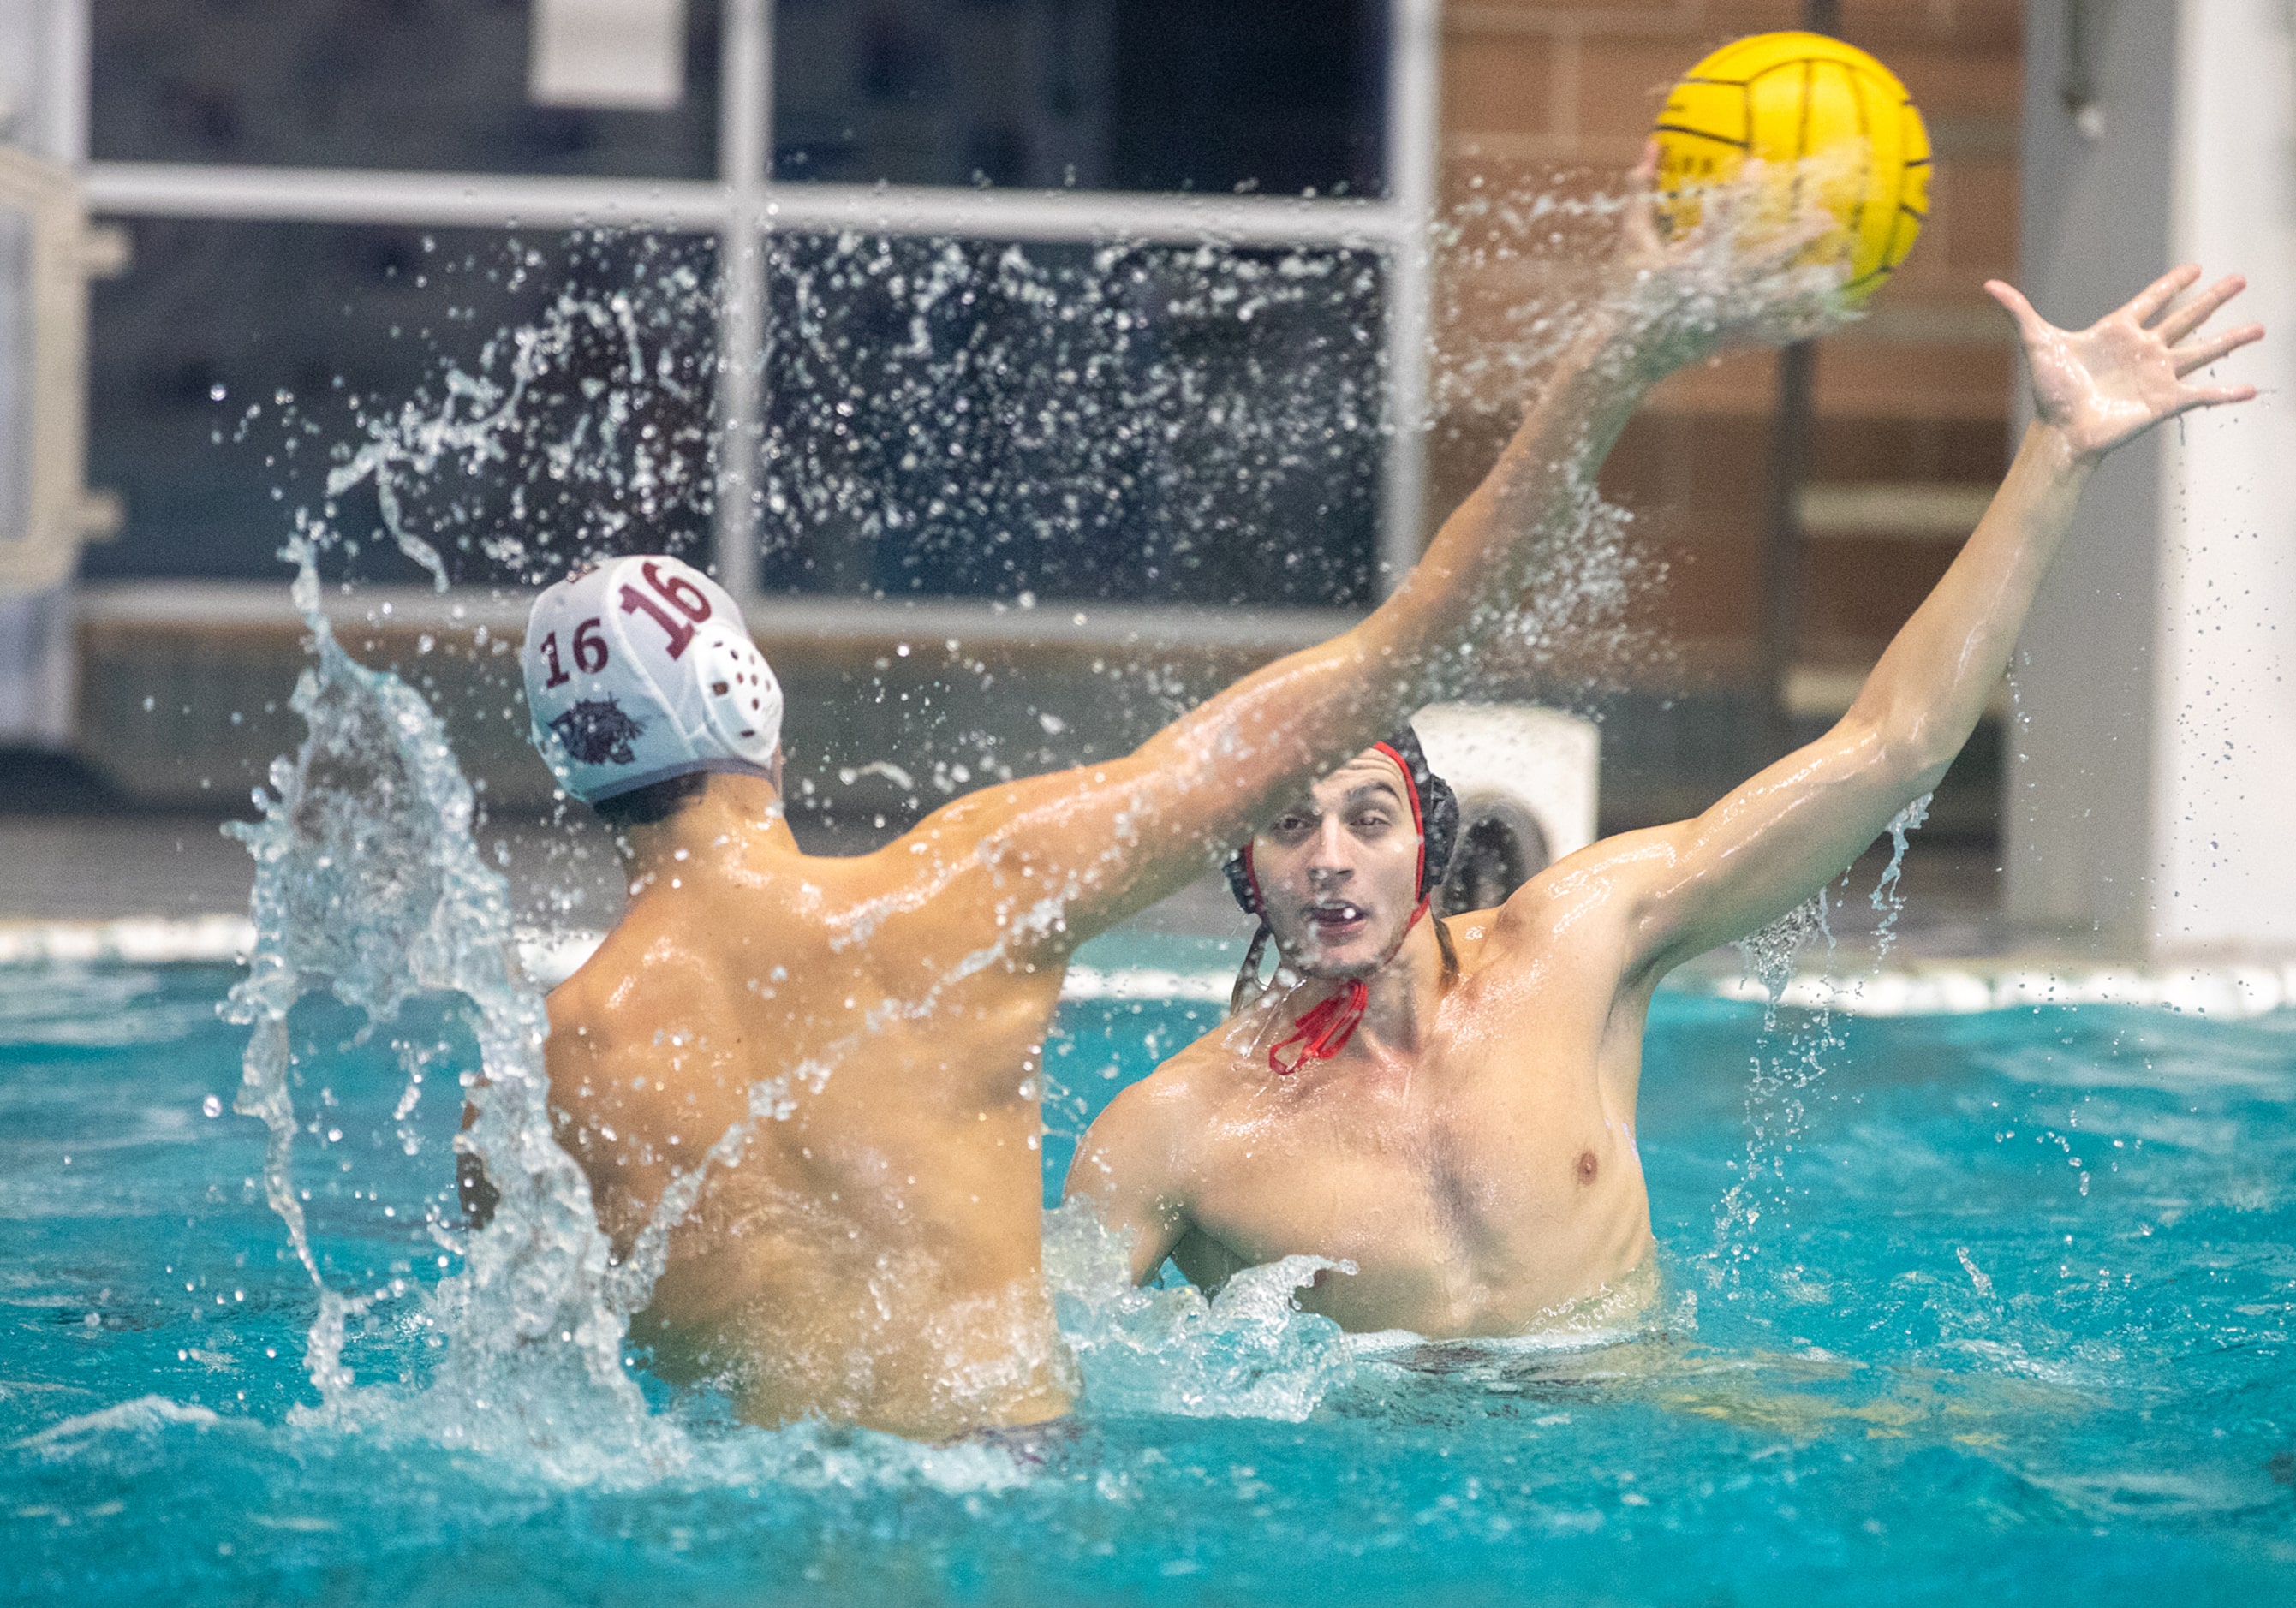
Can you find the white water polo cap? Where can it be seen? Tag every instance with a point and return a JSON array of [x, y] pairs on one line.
[[641, 669]]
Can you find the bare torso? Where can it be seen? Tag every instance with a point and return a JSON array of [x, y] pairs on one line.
[[1482, 1180], [873, 1254], [1471, 1148]]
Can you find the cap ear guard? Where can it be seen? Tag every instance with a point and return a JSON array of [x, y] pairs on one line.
[[1438, 811], [1241, 881], [741, 698]]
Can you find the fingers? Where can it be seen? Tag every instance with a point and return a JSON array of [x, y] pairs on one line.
[[1642, 230], [2161, 291], [2180, 322], [1642, 233], [2200, 353], [2212, 395]]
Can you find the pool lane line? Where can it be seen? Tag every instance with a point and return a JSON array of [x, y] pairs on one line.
[[1928, 988]]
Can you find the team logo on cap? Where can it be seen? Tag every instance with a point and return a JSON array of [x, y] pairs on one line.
[[596, 732]]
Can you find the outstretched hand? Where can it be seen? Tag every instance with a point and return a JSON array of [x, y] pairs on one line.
[[2115, 380]]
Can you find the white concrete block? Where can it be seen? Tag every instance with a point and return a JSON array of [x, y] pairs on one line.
[[615, 54]]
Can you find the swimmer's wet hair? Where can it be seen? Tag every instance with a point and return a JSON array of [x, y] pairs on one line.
[[652, 805]]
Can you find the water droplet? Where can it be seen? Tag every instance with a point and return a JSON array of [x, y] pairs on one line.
[[212, 1106]]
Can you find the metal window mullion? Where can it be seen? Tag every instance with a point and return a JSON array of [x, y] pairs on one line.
[[63, 132], [744, 141], [1414, 65], [176, 603], [368, 195], [363, 195], [1085, 215]]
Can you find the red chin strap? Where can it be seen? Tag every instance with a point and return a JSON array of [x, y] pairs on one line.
[[1323, 1030]]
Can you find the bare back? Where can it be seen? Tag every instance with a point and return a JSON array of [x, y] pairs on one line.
[[873, 1255]]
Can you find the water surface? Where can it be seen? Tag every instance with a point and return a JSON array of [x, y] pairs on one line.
[[2009, 1318]]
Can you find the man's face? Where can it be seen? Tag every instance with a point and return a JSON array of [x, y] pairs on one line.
[[1339, 871]]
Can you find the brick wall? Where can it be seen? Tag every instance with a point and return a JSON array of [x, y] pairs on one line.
[[1543, 96]]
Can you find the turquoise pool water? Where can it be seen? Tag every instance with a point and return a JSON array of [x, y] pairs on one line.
[[2010, 1319]]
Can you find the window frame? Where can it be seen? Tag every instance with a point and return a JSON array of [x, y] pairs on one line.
[[743, 206]]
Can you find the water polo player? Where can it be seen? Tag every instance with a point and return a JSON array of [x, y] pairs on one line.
[[1456, 1120], [853, 1043]]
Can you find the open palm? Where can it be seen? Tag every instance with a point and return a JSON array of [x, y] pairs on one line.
[[2115, 380]]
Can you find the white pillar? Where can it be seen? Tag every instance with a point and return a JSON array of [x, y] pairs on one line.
[[1415, 72], [2152, 767], [43, 110]]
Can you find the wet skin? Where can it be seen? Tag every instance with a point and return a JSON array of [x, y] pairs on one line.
[[1471, 1149], [874, 1255]]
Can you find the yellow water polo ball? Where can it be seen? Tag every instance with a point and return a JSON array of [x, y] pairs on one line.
[[1785, 99]]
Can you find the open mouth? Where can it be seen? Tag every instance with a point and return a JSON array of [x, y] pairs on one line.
[[1337, 919]]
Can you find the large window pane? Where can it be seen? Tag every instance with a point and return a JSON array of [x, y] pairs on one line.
[[1142, 423], [237, 363], [421, 83], [1114, 94]]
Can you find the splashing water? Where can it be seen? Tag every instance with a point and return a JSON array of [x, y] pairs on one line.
[[1117, 421], [1781, 1075], [1248, 1352], [1519, 273], [1776, 1103], [1770, 953], [1886, 896], [371, 889], [586, 416]]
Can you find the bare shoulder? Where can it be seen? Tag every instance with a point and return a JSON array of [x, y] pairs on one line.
[[645, 978], [640, 956], [1144, 1149], [1178, 1101], [1170, 1097], [1586, 907], [580, 1004], [591, 1012], [959, 866]]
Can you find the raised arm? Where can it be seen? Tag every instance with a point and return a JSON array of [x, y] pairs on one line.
[[1106, 841], [1130, 1167], [1776, 841]]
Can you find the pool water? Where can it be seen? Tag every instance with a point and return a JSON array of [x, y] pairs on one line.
[[2004, 1312]]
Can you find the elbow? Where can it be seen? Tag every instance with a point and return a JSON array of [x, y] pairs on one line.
[[1912, 751]]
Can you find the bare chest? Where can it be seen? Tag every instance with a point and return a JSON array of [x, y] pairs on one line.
[[1469, 1200]]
